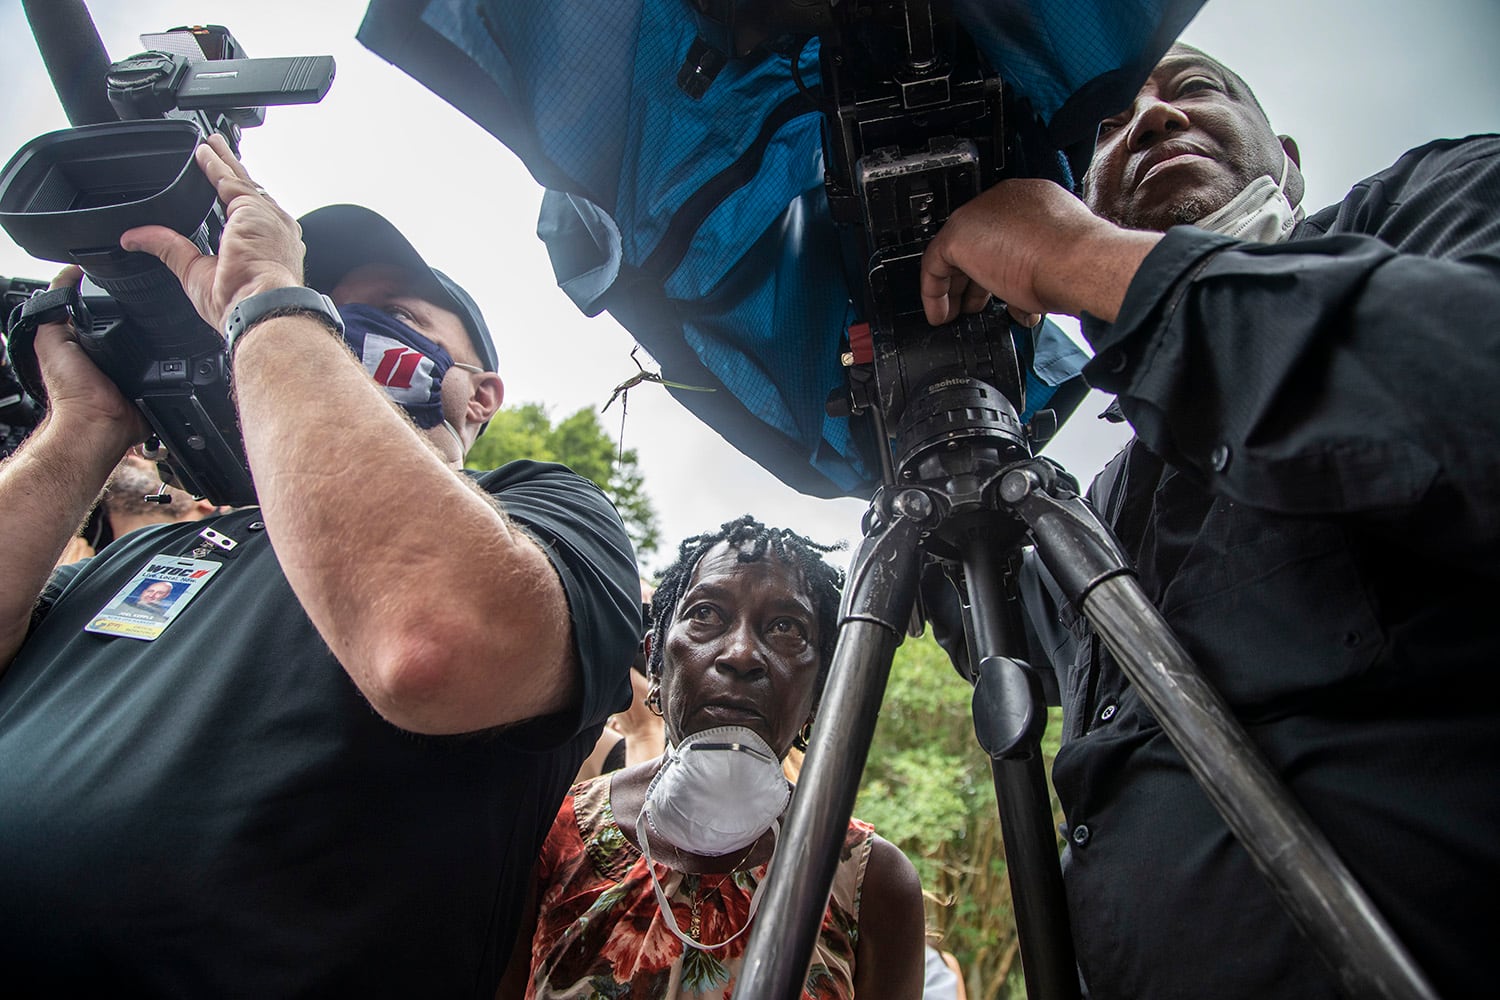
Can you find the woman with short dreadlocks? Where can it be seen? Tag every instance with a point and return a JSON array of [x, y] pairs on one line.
[[650, 876]]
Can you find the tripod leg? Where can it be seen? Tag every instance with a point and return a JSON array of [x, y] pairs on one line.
[[878, 600], [1302, 867], [1009, 719]]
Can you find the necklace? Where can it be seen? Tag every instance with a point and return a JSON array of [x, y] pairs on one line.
[[695, 925]]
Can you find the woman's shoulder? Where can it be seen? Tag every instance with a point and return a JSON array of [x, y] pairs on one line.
[[585, 840], [854, 860], [858, 837], [608, 849], [890, 947], [589, 801], [871, 864]]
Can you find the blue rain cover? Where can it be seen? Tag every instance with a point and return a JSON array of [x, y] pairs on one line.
[[702, 226]]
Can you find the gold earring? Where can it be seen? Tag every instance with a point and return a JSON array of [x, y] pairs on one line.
[[653, 699], [803, 737]]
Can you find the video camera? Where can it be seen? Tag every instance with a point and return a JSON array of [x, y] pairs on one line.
[[68, 196], [915, 124]]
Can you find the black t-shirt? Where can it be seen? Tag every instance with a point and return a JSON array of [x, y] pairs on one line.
[[220, 812]]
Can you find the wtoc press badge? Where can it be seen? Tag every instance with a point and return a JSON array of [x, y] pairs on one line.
[[156, 595]]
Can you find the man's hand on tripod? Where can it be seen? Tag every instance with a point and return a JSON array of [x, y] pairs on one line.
[[1035, 247]]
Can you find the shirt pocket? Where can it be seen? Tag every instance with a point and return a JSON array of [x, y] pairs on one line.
[[1272, 608]]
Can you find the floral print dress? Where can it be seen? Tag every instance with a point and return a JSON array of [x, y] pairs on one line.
[[600, 931]]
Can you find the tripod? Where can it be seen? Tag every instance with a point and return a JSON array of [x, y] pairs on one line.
[[974, 495], [916, 123]]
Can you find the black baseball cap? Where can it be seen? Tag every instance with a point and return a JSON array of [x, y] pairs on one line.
[[340, 238]]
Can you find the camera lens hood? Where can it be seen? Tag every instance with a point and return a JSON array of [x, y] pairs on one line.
[[67, 196]]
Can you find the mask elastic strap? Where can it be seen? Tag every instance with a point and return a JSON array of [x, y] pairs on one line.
[[1286, 165], [445, 425], [668, 918]]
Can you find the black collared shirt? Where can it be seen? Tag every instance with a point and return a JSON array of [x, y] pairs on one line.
[[1313, 501]]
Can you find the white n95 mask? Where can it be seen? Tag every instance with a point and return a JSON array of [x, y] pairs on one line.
[[716, 792], [1261, 213]]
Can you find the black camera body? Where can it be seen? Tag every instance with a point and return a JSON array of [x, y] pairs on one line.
[[68, 196], [915, 124]]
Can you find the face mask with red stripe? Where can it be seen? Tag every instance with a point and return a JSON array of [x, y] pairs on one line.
[[409, 366]]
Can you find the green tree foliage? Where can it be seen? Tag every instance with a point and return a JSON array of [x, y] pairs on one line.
[[927, 788], [579, 442]]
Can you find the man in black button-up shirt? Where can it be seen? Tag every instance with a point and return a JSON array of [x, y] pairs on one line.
[[1312, 500]]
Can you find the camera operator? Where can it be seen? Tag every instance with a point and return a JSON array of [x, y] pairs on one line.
[[267, 794], [1312, 500]]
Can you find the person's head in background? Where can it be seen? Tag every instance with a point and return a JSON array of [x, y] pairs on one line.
[[123, 508], [125, 503]]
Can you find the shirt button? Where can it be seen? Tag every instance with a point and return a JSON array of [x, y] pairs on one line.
[[1219, 457], [257, 526], [1107, 712], [1115, 361], [1081, 834]]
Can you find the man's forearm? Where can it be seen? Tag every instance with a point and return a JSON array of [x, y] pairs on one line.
[[1035, 247], [1092, 275], [447, 617], [46, 490]]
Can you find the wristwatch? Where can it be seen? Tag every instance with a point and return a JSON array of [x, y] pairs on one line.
[[280, 302]]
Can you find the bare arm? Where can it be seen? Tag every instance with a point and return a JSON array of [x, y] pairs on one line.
[[77, 549], [48, 486], [593, 764], [1035, 247], [446, 615], [889, 961], [960, 991]]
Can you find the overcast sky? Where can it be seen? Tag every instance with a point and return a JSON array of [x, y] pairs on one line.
[[1356, 82]]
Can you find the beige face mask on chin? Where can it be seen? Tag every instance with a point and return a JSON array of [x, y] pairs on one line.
[[1261, 213]]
